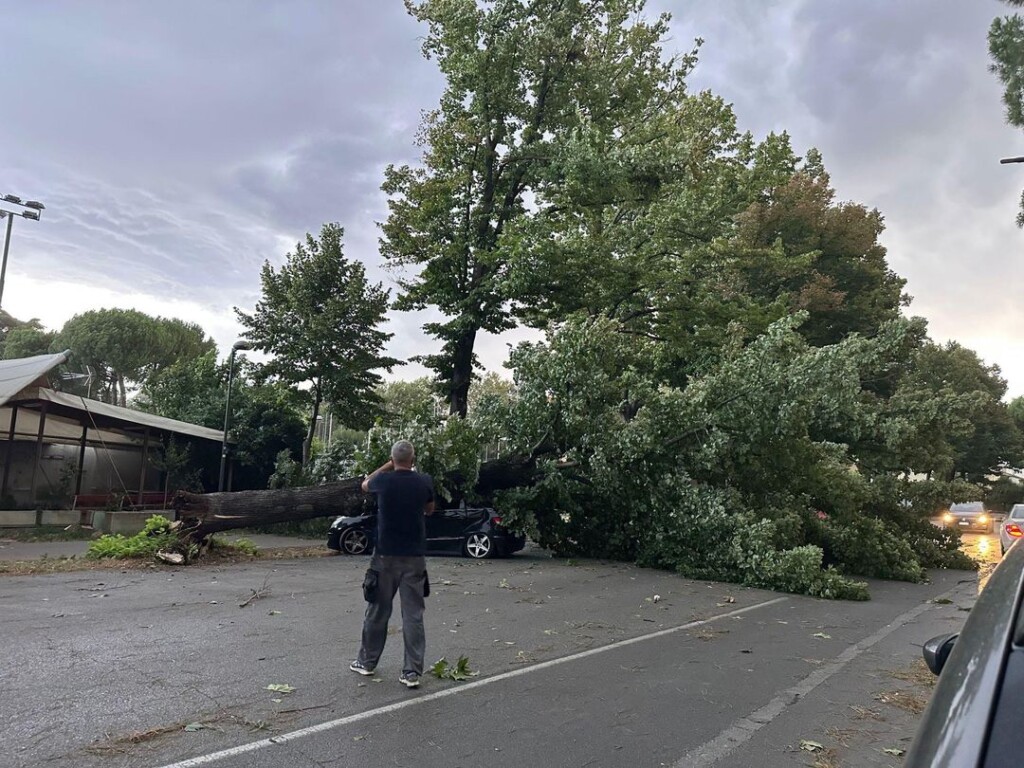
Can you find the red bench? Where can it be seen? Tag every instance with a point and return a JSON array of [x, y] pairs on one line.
[[96, 501], [148, 499]]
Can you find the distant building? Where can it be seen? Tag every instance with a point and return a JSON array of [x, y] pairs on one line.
[[57, 447]]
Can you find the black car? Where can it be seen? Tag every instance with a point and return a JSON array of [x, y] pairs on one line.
[[976, 713], [475, 532]]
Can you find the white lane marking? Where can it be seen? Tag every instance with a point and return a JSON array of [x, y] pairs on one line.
[[348, 720], [744, 729]]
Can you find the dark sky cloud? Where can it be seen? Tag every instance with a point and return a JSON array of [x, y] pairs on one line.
[[178, 146]]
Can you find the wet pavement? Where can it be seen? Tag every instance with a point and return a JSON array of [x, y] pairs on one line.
[[983, 547]]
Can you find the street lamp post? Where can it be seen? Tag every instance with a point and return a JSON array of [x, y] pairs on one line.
[[29, 209], [227, 410]]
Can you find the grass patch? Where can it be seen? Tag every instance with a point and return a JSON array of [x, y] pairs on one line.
[[841, 736], [908, 701], [826, 759], [863, 713], [316, 528], [239, 547], [918, 674], [219, 557]]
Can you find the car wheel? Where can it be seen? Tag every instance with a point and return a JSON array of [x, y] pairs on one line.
[[479, 546], [355, 542]]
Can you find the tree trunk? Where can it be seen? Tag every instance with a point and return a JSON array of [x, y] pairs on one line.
[[462, 373], [200, 514], [307, 444]]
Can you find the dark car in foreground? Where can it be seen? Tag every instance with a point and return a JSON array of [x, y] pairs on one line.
[[976, 714], [968, 516], [475, 532]]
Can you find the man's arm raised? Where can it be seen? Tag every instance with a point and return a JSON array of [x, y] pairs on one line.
[[386, 467]]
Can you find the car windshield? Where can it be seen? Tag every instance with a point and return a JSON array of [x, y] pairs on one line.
[[1017, 513], [968, 508]]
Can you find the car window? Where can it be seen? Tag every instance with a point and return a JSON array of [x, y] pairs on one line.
[[1017, 513], [968, 506]]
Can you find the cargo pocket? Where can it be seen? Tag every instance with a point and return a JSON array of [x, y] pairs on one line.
[[370, 585]]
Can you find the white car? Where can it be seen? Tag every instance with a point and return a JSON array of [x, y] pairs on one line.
[[1012, 527]]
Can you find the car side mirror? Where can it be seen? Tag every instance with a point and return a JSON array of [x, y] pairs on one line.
[[937, 650]]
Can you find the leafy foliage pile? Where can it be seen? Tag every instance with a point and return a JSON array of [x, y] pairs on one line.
[[155, 536]]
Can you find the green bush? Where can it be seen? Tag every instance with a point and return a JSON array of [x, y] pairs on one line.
[[155, 535], [868, 547], [938, 547], [797, 570]]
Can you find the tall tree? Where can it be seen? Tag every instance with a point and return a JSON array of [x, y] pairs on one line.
[[992, 438], [266, 419], [1006, 46], [27, 331], [521, 79], [26, 342], [122, 348], [115, 345], [319, 319]]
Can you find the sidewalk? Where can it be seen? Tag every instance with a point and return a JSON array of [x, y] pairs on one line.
[[11, 550]]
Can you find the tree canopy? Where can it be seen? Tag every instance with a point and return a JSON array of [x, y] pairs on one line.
[[1006, 47], [526, 83], [318, 319], [121, 348]]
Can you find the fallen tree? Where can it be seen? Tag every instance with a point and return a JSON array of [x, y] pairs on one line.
[[202, 514]]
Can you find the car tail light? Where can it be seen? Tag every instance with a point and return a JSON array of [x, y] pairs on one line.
[[497, 521], [1014, 530]]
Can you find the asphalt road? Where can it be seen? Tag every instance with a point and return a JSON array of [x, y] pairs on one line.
[[578, 665]]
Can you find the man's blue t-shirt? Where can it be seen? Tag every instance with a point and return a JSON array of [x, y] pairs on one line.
[[401, 497]]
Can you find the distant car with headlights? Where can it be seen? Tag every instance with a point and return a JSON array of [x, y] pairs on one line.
[[968, 516], [1012, 527]]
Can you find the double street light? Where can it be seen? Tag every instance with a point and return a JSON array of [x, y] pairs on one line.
[[11, 206], [227, 410]]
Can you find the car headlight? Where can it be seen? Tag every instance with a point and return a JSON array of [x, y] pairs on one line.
[[947, 518], [982, 519]]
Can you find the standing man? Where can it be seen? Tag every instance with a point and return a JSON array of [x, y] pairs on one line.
[[398, 563]]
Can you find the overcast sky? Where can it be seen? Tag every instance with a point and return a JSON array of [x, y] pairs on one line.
[[179, 145]]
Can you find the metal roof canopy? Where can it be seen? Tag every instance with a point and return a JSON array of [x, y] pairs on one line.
[[105, 416], [67, 414], [23, 383], [59, 417], [18, 374]]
